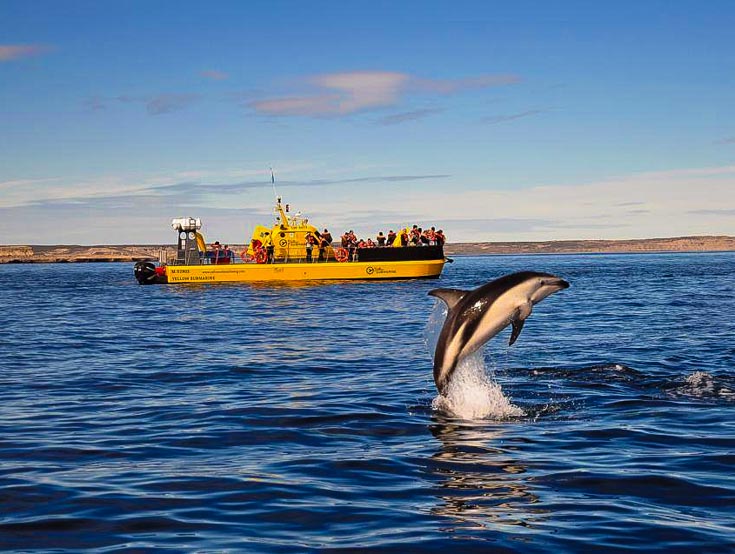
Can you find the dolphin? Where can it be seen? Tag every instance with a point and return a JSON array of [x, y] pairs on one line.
[[476, 316]]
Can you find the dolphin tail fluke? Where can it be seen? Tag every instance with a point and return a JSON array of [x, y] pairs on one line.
[[450, 296], [517, 328]]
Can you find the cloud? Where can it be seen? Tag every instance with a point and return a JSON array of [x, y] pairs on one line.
[[167, 103], [726, 140], [681, 202], [723, 212], [95, 104], [403, 117], [214, 75], [452, 86], [340, 94], [155, 105], [104, 206], [192, 186], [197, 190], [11, 52], [493, 120]]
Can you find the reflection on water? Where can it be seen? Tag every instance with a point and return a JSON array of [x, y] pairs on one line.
[[482, 487]]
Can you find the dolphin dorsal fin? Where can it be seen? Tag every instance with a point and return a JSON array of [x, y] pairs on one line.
[[450, 296]]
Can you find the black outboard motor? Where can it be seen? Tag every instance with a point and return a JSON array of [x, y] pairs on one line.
[[145, 273]]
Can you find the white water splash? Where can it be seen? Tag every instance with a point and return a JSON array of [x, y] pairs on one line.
[[471, 393], [703, 384]]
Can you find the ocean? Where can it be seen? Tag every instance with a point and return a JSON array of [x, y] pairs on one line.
[[304, 417]]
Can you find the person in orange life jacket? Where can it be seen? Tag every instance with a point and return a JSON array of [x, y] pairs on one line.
[[381, 239], [391, 237], [310, 242], [425, 238], [440, 238]]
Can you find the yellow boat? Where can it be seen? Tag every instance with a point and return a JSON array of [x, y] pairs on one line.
[[290, 250]]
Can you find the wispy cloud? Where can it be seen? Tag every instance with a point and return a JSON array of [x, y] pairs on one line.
[[404, 117], [154, 104], [11, 52], [452, 86], [494, 120], [95, 103], [197, 190], [688, 201], [729, 212], [340, 94], [167, 103], [726, 140], [214, 75]]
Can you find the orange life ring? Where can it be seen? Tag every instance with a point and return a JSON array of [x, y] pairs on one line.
[[261, 256], [341, 254]]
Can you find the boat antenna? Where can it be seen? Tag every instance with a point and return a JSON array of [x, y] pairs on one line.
[[273, 182]]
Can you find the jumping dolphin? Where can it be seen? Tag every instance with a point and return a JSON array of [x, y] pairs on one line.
[[476, 316]]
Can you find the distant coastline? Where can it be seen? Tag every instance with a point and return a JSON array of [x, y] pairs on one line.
[[131, 253]]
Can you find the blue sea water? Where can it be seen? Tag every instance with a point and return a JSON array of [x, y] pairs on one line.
[[297, 418]]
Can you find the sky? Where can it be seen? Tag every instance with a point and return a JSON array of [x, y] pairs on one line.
[[496, 121]]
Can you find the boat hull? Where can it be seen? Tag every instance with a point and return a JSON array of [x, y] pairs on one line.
[[251, 272]]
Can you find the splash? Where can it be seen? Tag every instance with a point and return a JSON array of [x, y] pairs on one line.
[[471, 393], [704, 385]]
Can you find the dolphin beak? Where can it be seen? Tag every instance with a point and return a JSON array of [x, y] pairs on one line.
[[562, 284]]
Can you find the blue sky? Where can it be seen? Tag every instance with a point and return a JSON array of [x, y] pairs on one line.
[[496, 121]]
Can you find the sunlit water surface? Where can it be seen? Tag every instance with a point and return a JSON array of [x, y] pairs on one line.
[[304, 418]]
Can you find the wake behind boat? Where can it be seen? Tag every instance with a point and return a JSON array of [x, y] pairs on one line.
[[293, 250]]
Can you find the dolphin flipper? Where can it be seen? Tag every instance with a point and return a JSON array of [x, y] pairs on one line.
[[451, 297], [517, 328]]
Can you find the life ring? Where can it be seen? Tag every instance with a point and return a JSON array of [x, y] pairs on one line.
[[260, 256], [341, 254]]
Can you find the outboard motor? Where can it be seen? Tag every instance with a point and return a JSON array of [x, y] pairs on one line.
[[145, 273]]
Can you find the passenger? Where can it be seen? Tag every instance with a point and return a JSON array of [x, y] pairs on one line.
[[345, 240], [269, 249], [322, 247], [310, 241], [370, 243], [440, 238], [391, 237], [425, 238], [381, 239], [415, 235], [404, 238], [215, 254], [326, 235], [228, 255], [432, 235]]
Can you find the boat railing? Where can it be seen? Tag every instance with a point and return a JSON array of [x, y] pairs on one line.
[[297, 254]]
